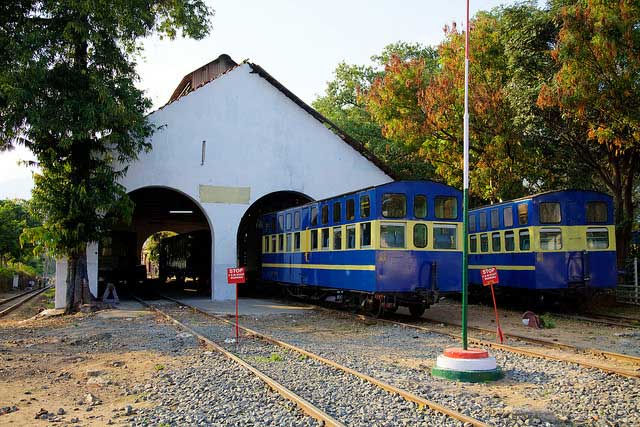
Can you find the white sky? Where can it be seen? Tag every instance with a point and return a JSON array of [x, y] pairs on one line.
[[299, 43]]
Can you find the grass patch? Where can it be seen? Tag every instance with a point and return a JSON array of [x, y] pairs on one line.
[[159, 367], [275, 357], [547, 321], [303, 357], [50, 295]]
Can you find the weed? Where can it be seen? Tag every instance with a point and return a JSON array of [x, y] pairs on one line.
[[275, 357], [159, 367], [547, 322], [303, 357]]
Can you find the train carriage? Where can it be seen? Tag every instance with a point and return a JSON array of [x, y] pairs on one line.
[[396, 244], [554, 241]]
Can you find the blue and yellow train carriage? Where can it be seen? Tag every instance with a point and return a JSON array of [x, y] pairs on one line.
[[554, 241], [396, 244]]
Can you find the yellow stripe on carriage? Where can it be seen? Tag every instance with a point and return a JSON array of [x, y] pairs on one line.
[[504, 267], [323, 266]]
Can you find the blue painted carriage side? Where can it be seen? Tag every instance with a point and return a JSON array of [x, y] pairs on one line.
[[575, 264], [405, 271]]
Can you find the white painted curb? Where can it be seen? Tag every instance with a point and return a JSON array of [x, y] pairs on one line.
[[486, 364]]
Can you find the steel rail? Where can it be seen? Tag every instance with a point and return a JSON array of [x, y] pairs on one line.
[[563, 346], [30, 295], [304, 405], [604, 319], [518, 350], [411, 397]]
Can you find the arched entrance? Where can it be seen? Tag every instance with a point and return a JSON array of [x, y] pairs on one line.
[[248, 244], [157, 209]]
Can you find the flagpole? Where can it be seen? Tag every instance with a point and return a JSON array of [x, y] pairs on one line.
[[465, 186]]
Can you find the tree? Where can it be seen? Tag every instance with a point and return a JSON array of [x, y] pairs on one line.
[[345, 104], [423, 108], [593, 98], [67, 75]]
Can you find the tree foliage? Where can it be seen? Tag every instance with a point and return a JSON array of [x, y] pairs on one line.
[[593, 98], [67, 92], [345, 104]]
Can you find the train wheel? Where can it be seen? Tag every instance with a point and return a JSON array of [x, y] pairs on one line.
[[417, 310]]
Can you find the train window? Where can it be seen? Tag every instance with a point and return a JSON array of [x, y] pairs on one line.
[[523, 214], [446, 207], [337, 215], [472, 223], [483, 221], [495, 219], [273, 224], [550, 213], [420, 206], [365, 207], [351, 209], [484, 242], [296, 220], [337, 238], [473, 244], [392, 235], [280, 242], [314, 240], [394, 205], [314, 215], [509, 241], [281, 222], [596, 212], [296, 241], [420, 236], [351, 236], [325, 238], [507, 216], [288, 249], [288, 221], [524, 240], [495, 242], [325, 214], [550, 239], [444, 236], [274, 246], [597, 238], [365, 234]]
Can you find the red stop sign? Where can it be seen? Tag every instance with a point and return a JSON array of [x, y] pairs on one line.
[[489, 276], [235, 275]]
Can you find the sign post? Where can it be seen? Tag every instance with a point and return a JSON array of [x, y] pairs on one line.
[[236, 276], [490, 278]]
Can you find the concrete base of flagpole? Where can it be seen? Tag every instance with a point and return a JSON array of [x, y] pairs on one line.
[[473, 365]]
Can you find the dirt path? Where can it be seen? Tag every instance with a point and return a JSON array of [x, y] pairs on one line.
[[81, 369]]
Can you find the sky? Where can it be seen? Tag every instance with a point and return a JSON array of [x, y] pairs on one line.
[[299, 43]]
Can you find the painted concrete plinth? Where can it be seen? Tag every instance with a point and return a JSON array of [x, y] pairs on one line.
[[471, 365]]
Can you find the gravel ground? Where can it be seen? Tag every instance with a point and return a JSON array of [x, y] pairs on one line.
[[214, 391], [347, 398], [534, 391]]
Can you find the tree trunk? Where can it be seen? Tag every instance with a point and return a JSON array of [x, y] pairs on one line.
[[78, 292]]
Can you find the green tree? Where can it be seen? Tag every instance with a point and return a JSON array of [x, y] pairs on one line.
[[67, 75], [345, 104], [13, 219], [593, 98], [423, 108]]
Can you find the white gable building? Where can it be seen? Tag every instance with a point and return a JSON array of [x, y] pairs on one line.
[[231, 136]]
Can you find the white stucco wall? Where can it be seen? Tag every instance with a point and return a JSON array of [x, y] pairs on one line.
[[61, 275], [255, 137]]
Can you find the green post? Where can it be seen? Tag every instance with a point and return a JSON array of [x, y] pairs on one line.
[[465, 184], [465, 271]]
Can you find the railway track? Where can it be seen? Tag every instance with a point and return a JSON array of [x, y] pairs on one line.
[[7, 307], [632, 372], [604, 319], [626, 358], [359, 387]]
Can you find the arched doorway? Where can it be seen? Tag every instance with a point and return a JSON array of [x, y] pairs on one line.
[[157, 209], [248, 243]]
